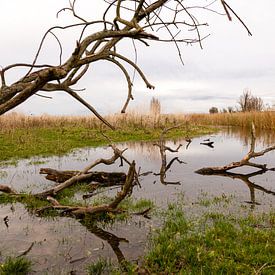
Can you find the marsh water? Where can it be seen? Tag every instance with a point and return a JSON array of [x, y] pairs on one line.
[[62, 245]]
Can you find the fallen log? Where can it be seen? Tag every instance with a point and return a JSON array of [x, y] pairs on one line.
[[82, 211], [106, 178]]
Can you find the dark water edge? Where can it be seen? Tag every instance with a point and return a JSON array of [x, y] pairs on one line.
[[63, 244]]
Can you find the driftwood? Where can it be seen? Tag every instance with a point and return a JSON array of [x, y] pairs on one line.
[[245, 161], [105, 178], [81, 211], [84, 175], [164, 166]]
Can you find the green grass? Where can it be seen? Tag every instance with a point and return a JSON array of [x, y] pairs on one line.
[[42, 141], [15, 266], [102, 266], [67, 197], [205, 200], [215, 244]]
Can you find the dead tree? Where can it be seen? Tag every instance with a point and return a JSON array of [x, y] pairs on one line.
[[142, 21], [245, 161], [163, 148]]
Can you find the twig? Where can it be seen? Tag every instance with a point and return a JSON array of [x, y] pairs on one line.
[[24, 253]]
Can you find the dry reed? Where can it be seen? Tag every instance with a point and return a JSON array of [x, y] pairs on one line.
[[135, 120], [12, 121], [262, 120]]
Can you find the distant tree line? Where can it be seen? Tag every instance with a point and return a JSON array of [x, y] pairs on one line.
[[247, 103]]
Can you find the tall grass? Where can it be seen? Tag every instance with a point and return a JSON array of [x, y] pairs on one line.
[[136, 120], [13, 121], [262, 120]]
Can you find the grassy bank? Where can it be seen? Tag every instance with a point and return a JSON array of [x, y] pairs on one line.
[[213, 243], [262, 120], [25, 136]]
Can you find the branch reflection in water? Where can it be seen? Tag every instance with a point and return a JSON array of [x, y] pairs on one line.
[[246, 178], [162, 149]]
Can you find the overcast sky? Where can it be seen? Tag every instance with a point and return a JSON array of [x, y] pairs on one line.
[[215, 76]]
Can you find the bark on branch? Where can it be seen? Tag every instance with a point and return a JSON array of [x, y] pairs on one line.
[[174, 17], [99, 177], [81, 212]]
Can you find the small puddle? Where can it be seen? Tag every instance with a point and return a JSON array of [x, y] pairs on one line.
[[64, 244]]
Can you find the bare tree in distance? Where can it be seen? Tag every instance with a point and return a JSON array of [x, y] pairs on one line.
[[213, 110], [142, 21], [250, 103]]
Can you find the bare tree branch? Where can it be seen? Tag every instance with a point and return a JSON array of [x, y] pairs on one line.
[[108, 30]]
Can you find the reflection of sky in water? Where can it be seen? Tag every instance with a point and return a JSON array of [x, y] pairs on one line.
[[228, 146], [59, 242]]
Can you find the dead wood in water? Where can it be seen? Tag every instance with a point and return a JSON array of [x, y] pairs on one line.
[[84, 175], [82, 211], [245, 161], [107, 179], [129, 181]]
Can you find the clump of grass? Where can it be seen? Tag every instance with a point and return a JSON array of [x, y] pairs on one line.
[[205, 200], [102, 266], [13, 266], [214, 245]]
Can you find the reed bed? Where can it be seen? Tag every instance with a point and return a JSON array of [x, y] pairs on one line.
[[262, 120], [131, 120], [135, 120]]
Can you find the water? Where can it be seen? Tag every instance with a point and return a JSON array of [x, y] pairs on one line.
[[64, 244]]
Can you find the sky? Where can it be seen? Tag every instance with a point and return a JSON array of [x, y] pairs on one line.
[[216, 75]]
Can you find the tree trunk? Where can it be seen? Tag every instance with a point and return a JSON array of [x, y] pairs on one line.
[[100, 177]]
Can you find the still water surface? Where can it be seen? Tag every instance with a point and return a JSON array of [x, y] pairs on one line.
[[63, 244]]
